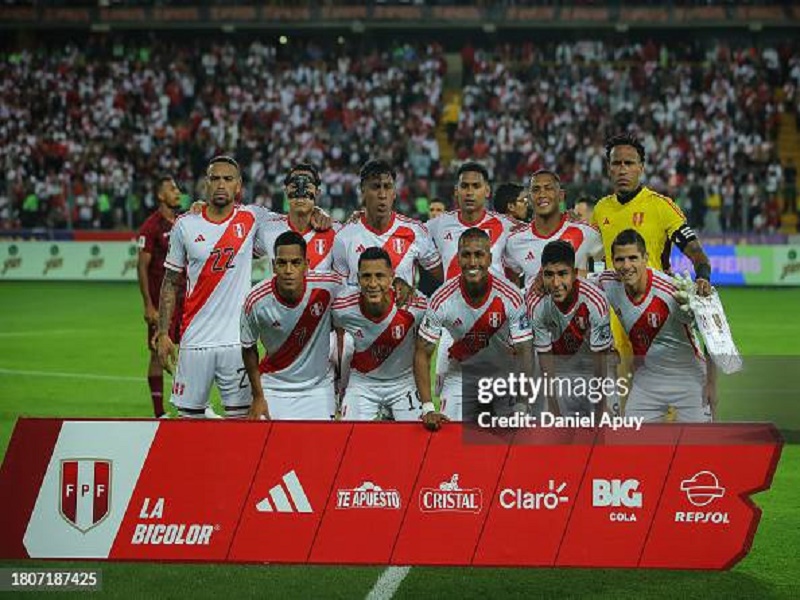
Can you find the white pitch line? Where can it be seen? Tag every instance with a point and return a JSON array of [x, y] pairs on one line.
[[49, 332], [388, 583], [70, 375]]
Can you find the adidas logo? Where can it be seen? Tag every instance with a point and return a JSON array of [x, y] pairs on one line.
[[279, 501], [276, 324], [606, 221], [199, 238], [530, 256], [448, 236], [360, 249], [457, 322]]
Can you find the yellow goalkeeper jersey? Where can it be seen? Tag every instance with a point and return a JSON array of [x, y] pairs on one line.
[[654, 216]]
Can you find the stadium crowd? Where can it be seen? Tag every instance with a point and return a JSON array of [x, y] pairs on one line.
[[86, 128]]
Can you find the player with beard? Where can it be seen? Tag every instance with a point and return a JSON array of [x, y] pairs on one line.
[[486, 318]]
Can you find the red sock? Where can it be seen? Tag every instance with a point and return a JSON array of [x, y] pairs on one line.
[[156, 383]]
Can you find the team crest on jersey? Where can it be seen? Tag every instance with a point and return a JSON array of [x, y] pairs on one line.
[[580, 320], [238, 229], [319, 246], [399, 245], [637, 219], [652, 319], [398, 331], [317, 309], [495, 319]]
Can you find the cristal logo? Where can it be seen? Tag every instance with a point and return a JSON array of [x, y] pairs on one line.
[[368, 495], [702, 489], [451, 497], [519, 499]]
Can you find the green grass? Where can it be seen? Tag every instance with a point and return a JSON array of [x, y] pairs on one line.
[[97, 329]]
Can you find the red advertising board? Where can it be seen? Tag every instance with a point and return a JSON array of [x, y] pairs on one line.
[[668, 496]]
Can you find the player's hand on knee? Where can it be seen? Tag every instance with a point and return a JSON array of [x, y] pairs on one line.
[[703, 287], [433, 421], [167, 353]]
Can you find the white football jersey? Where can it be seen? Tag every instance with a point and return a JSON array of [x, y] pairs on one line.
[[447, 228], [296, 337], [664, 342], [573, 332], [406, 240], [523, 252], [482, 333], [319, 244], [218, 260], [383, 348]]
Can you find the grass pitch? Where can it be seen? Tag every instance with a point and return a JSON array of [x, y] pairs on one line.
[[78, 350]]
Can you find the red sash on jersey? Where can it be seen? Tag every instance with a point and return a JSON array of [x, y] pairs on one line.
[[318, 302], [220, 259], [386, 343], [491, 226], [318, 247], [398, 244], [477, 338], [574, 236], [647, 326], [572, 338]]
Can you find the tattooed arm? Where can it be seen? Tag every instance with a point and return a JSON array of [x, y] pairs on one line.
[[164, 345]]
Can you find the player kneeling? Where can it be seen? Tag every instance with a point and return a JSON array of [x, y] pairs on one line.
[[571, 331], [381, 377], [669, 367], [291, 315]]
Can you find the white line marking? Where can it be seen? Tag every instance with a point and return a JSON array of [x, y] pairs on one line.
[[388, 583], [70, 375], [37, 332]]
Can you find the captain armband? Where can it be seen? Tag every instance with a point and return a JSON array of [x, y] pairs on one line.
[[683, 235]]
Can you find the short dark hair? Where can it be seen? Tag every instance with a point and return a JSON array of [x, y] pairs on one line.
[[228, 160], [290, 238], [162, 179], [375, 168], [550, 172], [375, 253], [624, 139], [558, 251], [473, 166], [307, 167], [439, 200], [473, 233], [585, 200], [627, 238], [505, 194]]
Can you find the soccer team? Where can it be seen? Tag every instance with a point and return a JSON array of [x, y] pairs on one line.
[[341, 318]]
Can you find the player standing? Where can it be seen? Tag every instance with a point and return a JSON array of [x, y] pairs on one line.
[[523, 252], [302, 187], [407, 241], [571, 331], [511, 200], [153, 244], [381, 373], [215, 248], [291, 314], [485, 316], [669, 367]]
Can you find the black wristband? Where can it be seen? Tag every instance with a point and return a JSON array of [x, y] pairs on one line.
[[703, 271]]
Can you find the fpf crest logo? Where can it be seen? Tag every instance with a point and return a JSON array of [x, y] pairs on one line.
[[85, 492]]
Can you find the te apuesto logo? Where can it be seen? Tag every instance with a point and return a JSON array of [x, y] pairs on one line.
[[368, 495]]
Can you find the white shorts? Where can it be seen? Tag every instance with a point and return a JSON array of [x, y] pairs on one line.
[[314, 404], [653, 406], [198, 368], [372, 400]]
